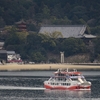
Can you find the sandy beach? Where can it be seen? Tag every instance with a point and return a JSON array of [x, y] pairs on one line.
[[15, 66]]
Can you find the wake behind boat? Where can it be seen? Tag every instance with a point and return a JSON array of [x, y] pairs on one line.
[[71, 80]]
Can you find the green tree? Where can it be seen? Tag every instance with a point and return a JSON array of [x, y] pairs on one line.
[[97, 46], [79, 11], [95, 30], [73, 46], [46, 12], [54, 35], [2, 22], [37, 57], [49, 40], [15, 40], [22, 36], [33, 41]]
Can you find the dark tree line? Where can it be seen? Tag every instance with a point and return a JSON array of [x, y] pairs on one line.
[[39, 12]]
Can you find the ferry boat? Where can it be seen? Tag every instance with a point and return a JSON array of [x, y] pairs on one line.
[[71, 80]]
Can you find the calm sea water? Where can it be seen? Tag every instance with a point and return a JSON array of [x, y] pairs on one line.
[[28, 85]]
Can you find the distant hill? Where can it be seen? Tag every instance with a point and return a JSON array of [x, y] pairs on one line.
[[57, 12]]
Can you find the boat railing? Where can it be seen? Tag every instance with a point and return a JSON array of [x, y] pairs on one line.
[[77, 77], [65, 71]]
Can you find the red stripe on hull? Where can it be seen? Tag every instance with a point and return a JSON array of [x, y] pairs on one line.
[[61, 87], [65, 88]]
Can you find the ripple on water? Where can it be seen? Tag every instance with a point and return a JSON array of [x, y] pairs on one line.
[[45, 94]]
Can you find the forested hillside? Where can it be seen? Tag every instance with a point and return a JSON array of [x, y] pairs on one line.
[[39, 12], [35, 47]]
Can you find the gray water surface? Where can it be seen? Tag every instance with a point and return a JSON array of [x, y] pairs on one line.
[[24, 85], [42, 73]]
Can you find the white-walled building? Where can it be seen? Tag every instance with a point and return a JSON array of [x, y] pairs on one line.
[[13, 57]]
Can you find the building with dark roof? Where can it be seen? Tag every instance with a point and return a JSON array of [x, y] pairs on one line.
[[9, 56], [13, 57], [89, 36], [76, 31], [3, 55], [1, 45], [21, 25]]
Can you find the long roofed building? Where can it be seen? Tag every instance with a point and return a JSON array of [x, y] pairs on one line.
[[76, 31]]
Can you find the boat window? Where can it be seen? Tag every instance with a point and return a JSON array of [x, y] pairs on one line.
[[74, 79], [83, 79], [61, 79], [52, 83], [62, 83], [68, 84], [75, 75], [56, 83], [55, 78], [65, 84], [60, 74], [64, 79], [58, 79]]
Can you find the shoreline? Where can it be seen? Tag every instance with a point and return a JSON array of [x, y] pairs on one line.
[[23, 67]]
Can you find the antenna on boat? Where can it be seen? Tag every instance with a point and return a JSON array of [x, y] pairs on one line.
[[58, 70], [67, 69], [75, 70]]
